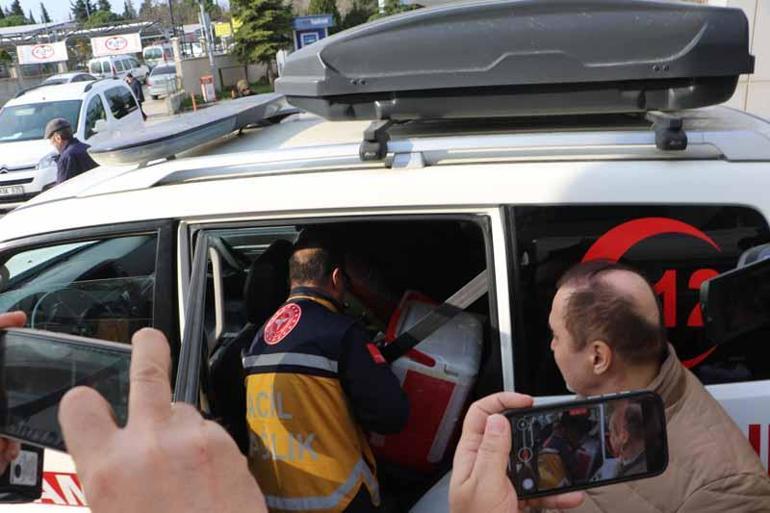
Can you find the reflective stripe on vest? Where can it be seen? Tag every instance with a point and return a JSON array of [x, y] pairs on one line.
[[360, 471], [309, 361]]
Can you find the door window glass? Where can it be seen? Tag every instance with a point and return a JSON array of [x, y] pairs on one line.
[[97, 288], [121, 101], [94, 113], [677, 248]]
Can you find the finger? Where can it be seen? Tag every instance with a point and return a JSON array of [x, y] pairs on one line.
[[149, 396], [87, 423], [494, 451], [563, 501], [474, 426], [9, 450], [13, 319]]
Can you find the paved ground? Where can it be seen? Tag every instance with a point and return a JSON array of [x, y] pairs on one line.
[[154, 108]]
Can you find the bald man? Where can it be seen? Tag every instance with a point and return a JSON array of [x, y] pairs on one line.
[[608, 337]]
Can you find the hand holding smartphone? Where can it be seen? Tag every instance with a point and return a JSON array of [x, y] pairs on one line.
[[38, 367], [583, 444]]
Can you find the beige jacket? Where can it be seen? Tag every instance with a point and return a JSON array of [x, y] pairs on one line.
[[712, 468]]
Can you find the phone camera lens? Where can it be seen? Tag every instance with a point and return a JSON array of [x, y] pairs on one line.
[[528, 483], [522, 424]]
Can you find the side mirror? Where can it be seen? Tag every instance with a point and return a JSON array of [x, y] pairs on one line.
[[100, 125], [23, 480]]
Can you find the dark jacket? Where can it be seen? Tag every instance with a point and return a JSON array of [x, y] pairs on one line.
[[73, 160], [312, 375], [712, 468], [136, 88]]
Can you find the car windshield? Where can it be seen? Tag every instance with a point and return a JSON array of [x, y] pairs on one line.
[[164, 70], [152, 53], [55, 81], [27, 122]]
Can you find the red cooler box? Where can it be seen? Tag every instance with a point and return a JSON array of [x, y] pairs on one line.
[[437, 375]]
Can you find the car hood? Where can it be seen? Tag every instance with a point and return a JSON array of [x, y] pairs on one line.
[[23, 154]]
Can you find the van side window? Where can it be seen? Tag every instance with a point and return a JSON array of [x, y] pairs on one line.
[[119, 65], [121, 101], [95, 288], [676, 247], [94, 113]]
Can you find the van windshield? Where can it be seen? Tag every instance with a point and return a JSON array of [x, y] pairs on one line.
[[27, 122], [152, 53], [95, 67]]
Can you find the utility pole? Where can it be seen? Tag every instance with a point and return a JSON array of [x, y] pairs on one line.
[[171, 14], [206, 24]]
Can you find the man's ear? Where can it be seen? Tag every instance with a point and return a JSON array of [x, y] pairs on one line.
[[601, 357], [338, 278]]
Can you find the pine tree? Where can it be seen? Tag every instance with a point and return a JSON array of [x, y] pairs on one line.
[[145, 9], [16, 9], [44, 17], [2, 13], [360, 12], [82, 9], [31, 18], [266, 29], [326, 7], [128, 10], [104, 5]]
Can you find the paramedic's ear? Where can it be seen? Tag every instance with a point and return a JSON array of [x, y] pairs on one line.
[[339, 280]]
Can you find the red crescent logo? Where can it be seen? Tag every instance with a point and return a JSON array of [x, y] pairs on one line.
[[616, 242], [620, 239]]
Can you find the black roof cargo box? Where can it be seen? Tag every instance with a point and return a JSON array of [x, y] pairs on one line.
[[524, 58]]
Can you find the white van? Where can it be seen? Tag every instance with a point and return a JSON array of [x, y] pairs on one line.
[[157, 54], [431, 203], [118, 66]]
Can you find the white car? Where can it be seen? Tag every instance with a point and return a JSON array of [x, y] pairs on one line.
[[118, 66], [27, 160], [162, 80], [66, 78], [432, 204]]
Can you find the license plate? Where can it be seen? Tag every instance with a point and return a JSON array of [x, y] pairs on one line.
[[12, 190]]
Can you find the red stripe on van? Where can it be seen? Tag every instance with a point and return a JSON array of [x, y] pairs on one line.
[[754, 437]]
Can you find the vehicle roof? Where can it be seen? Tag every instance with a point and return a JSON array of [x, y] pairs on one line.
[[68, 74], [306, 163], [59, 92]]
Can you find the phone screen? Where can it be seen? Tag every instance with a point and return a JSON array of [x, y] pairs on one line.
[[577, 445], [737, 302], [39, 367]]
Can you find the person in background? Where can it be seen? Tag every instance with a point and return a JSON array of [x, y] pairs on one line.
[[73, 154], [608, 337], [136, 88]]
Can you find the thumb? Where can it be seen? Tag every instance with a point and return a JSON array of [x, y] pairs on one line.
[[494, 451]]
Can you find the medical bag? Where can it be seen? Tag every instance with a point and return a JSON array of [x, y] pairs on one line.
[[437, 376]]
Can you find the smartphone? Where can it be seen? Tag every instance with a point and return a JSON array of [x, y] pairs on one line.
[[582, 444], [736, 302], [38, 367]]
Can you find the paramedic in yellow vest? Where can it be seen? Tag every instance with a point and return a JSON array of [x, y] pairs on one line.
[[314, 384]]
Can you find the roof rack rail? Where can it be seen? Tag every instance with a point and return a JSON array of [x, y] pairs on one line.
[[506, 58], [92, 82]]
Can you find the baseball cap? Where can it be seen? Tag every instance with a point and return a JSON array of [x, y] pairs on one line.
[[55, 125]]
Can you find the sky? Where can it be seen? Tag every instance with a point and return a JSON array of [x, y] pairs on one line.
[[59, 10]]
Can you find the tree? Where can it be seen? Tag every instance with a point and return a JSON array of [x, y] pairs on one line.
[[266, 29], [16, 9], [44, 17], [82, 10], [104, 5], [326, 7], [2, 13], [31, 18], [13, 21], [360, 12], [129, 12], [100, 18]]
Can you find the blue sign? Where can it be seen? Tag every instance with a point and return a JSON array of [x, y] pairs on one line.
[[319, 21]]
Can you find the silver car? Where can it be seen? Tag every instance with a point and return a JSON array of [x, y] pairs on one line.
[[162, 80]]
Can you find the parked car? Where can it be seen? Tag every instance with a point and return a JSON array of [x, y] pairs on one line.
[[66, 78], [155, 55], [162, 80], [27, 160], [118, 66]]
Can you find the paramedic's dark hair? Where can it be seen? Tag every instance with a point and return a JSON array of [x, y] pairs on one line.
[[596, 311], [320, 255]]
